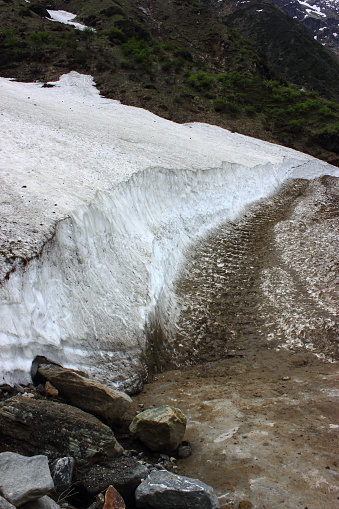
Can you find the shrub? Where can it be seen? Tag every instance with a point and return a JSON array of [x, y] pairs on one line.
[[39, 37], [296, 125], [201, 81], [225, 106], [326, 112], [250, 111], [115, 35]]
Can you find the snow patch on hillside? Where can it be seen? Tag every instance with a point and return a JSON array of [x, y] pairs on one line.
[[66, 18], [106, 200]]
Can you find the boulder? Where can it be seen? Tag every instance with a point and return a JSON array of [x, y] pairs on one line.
[[41, 503], [165, 490], [63, 473], [113, 500], [161, 429], [125, 474], [29, 426], [23, 479], [91, 396], [4, 504]]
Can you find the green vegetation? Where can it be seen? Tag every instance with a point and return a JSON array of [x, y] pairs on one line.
[[286, 108], [173, 76]]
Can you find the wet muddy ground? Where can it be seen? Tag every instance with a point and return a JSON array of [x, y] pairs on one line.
[[263, 427], [252, 359]]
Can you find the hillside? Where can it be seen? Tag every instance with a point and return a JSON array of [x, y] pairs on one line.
[[186, 61]]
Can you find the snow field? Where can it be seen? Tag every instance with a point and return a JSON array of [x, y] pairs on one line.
[[125, 194]]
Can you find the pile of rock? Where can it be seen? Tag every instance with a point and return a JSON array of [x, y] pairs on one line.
[[61, 445]]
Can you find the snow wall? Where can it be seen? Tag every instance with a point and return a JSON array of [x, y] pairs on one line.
[[87, 297]]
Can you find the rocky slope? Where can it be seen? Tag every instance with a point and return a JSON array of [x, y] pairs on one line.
[[320, 17]]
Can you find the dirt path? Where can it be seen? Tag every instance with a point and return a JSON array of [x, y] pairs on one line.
[[257, 328]]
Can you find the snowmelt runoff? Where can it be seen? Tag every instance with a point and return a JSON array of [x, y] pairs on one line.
[[100, 202]]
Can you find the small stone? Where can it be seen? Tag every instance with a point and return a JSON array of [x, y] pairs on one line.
[[113, 500], [245, 504], [50, 390], [62, 474], [33, 473], [184, 449]]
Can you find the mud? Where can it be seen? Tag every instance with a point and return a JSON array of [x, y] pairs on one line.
[[263, 427], [254, 354]]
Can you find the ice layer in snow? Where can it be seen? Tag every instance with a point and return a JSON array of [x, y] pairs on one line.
[[100, 202]]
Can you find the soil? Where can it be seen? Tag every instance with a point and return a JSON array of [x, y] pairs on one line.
[[263, 427]]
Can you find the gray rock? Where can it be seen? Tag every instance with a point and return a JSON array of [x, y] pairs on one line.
[[164, 490], [31, 426], [125, 475], [41, 503], [91, 396], [161, 429], [62, 474], [184, 450], [4, 504], [23, 479]]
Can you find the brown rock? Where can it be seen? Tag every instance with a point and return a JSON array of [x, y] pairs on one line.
[[161, 429], [30, 427], [245, 504], [113, 500], [91, 396], [50, 390]]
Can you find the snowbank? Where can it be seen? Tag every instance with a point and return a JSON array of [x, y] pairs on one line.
[[100, 203]]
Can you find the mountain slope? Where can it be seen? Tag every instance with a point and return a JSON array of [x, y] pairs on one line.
[[288, 46], [320, 17], [183, 61]]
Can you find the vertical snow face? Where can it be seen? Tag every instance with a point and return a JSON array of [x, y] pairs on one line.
[[85, 301]]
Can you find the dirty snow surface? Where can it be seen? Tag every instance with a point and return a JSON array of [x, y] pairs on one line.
[[100, 203]]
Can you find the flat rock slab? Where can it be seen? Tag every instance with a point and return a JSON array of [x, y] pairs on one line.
[[55, 429], [91, 396], [23, 479], [161, 429], [165, 490]]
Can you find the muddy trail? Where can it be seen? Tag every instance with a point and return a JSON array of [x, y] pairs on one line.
[[253, 357]]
